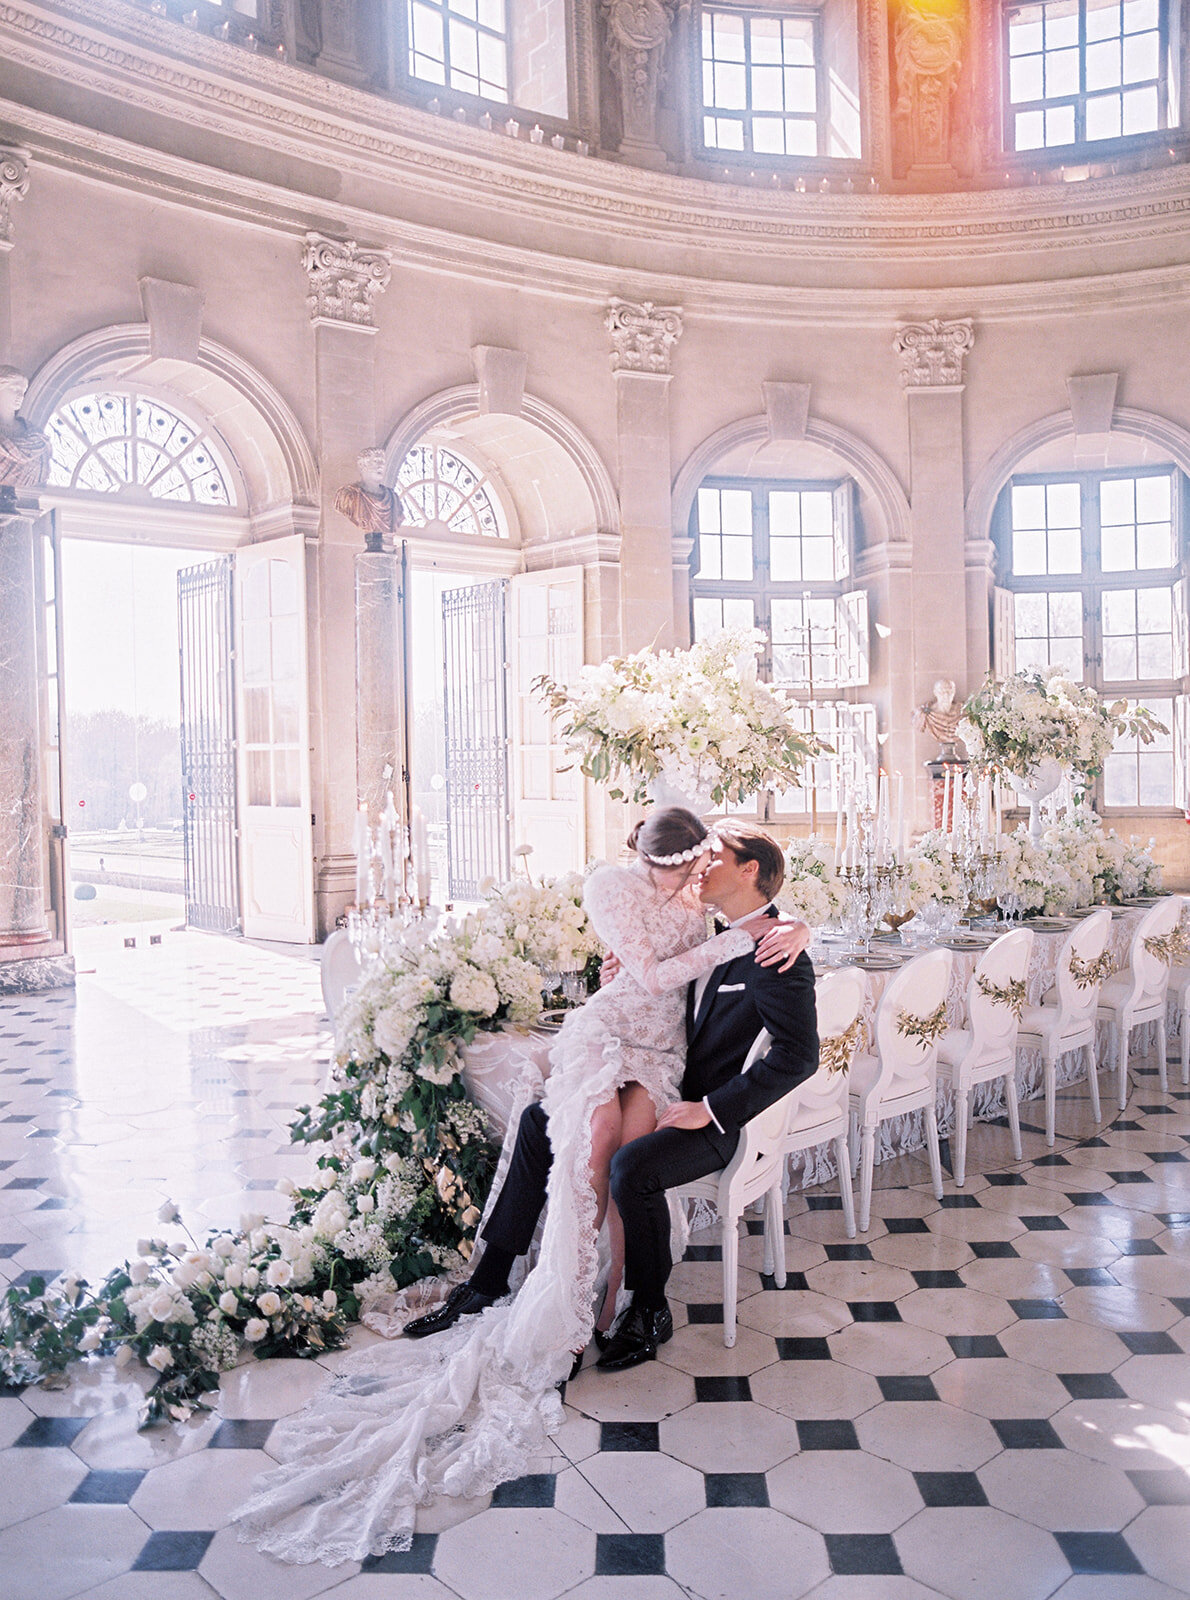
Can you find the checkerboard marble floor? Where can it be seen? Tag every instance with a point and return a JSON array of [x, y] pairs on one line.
[[987, 1397]]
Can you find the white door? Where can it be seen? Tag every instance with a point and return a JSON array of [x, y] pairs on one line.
[[548, 804], [276, 836]]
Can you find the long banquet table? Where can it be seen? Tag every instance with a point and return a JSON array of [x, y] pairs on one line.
[[505, 1071]]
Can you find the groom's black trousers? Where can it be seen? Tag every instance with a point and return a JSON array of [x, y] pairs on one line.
[[641, 1172]]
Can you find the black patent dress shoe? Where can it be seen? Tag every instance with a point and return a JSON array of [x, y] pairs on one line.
[[637, 1338], [462, 1301]]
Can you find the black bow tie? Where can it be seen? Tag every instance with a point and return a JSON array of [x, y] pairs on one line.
[[722, 925]]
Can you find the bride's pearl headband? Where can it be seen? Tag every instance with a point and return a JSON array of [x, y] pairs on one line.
[[709, 841]]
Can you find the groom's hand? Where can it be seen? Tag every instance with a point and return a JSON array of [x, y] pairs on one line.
[[689, 1114], [782, 944]]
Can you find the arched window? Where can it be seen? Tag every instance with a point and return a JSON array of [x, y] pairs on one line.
[[438, 487], [122, 443]]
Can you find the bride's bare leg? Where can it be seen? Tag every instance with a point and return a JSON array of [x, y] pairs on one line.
[[606, 1138], [638, 1116]]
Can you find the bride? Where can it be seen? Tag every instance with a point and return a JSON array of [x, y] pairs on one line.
[[407, 1423]]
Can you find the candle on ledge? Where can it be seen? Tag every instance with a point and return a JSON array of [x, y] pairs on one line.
[[838, 823], [900, 802], [363, 857], [389, 823], [881, 817], [421, 856]]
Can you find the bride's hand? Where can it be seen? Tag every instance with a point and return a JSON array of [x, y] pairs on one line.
[[782, 943], [609, 969]]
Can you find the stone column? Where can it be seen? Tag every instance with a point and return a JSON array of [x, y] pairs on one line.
[[643, 337], [345, 282], [931, 356], [14, 185], [637, 35], [379, 754]]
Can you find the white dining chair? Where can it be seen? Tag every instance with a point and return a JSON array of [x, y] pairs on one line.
[[818, 1108], [899, 1076], [1178, 1000], [986, 1048], [341, 971], [1138, 993], [1065, 1020], [754, 1171]]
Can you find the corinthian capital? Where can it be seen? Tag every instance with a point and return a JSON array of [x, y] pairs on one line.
[[932, 353], [14, 185], [344, 279], [643, 335]]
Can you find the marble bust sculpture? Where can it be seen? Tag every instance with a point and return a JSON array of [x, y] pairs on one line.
[[370, 504], [940, 717]]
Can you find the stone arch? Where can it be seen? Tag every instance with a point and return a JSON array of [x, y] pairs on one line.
[[557, 482], [256, 425], [1168, 439]]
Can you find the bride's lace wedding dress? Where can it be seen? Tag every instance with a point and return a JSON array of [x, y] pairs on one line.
[[406, 1423]]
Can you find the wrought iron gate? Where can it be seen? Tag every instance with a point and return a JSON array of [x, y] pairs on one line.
[[476, 714], [208, 747]]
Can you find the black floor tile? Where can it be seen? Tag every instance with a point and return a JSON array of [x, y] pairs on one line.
[[246, 1435], [1027, 1433], [1151, 1344], [959, 1202], [1051, 1161], [722, 1389], [629, 1555], [1094, 1199], [172, 1552], [907, 1388], [1089, 1277], [992, 1249], [1130, 1177], [803, 1350], [703, 1252], [1044, 1224], [535, 1489], [1161, 1486], [1162, 1156], [906, 1225], [628, 1436], [950, 1488], [856, 1553], [1004, 1180], [107, 1488], [419, 1558], [1091, 1386], [7, 1251], [795, 1282], [47, 1432], [1038, 1310], [847, 1252], [1181, 1304], [818, 1435], [938, 1280], [975, 1346], [1098, 1552], [707, 1311], [737, 1489], [1138, 1247], [823, 1202], [25, 1183], [873, 1310]]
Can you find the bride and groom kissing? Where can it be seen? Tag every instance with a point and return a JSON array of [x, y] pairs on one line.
[[646, 1092]]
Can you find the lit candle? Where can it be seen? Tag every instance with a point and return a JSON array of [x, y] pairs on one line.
[[838, 822], [900, 783], [881, 817], [389, 823], [363, 857], [421, 856]]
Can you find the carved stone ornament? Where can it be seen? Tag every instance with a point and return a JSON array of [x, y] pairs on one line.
[[345, 279], [643, 335], [637, 34], [928, 38], [14, 185], [932, 353]]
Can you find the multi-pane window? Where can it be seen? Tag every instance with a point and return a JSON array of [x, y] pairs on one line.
[[777, 557], [761, 89], [120, 443], [461, 44], [1084, 70], [1093, 566], [438, 487]]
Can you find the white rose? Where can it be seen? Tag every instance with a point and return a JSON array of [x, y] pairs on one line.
[[223, 1246], [124, 1355], [91, 1340], [255, 1330], [330, 1300], [139, 1271], [251, 1279], [365, 1202], [285, 1186], [169, 1213], [160, 1357], [269, 1303], [258, 1239], [279, 1273], [250, 1221], [229, 1303], [363, 1170], [184, 1275], [233, 1277], [160, 1306], [146, 1247]]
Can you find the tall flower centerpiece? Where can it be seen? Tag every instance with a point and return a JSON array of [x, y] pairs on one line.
[[1036, 726], [693, 727]]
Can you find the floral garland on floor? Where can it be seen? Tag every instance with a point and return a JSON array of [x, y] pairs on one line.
[[404, 1165], [700, 718]]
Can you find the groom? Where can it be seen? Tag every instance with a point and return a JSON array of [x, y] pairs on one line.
[[694, 1137]]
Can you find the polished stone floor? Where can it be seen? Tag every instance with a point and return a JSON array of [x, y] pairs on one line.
[[984, 1399]]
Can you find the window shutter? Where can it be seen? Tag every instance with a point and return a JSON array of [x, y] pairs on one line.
[[851, 625], [843, 496], [1003, 633], [1181, 752], [1181, 628]]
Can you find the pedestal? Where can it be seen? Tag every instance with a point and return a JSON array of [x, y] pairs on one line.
[[378, 668], [937, 772], [30, 958]]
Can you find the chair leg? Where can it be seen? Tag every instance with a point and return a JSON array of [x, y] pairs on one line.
[[731, 1277], [846, 1192], [854, 1142], [1014, 1112], [1120, 1037], [1050, 1067], [867, 1161], [935, 1153], [962, 1106], [1162, 1047], [774, 1232], [1184, 1024], [1093, 1080]]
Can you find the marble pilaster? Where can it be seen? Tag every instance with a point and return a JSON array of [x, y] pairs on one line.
[[378, 653]]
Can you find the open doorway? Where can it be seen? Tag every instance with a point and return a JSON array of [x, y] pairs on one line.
[[123, 772]]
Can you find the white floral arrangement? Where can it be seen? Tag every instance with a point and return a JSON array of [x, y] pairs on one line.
[[1039, 714], [1077, 863], [811, 889], [932, 877], [699, 718], [399, 1184]]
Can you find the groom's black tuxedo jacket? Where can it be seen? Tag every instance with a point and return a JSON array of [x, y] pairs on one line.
[[739, 1000]]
